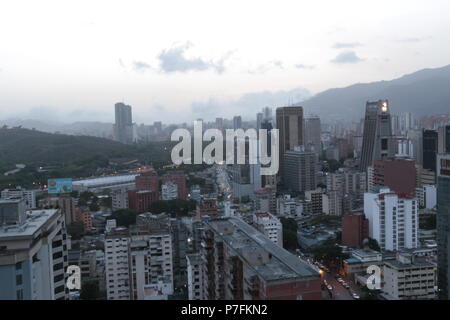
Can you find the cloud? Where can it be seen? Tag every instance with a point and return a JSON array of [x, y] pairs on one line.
[[304, 66], [265, 67], [248, 104], [174, 60], [346, 57], [415, 39], [141, 66], [342, 45]]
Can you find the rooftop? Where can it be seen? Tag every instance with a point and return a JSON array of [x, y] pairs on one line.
[[35, 220], [247, 241]]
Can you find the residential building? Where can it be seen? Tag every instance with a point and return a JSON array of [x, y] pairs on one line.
[[194, 276], [117, 268], [265, 200], [33, 253], [409, 278], [240, 263], [141, 200], [393, 219], [169, 191], [396, 173], [178, 178], [28, 195], [270, 226]]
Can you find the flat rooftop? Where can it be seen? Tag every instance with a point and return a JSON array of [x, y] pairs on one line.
[[246, 240], [92, 182], [35, 220]]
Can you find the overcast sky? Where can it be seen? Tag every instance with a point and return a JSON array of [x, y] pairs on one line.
[[179, 60]]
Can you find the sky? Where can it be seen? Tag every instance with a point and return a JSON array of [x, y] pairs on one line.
[[177, 61]]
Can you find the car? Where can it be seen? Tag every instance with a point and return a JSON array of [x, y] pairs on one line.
[[355, 296], [346, 286]]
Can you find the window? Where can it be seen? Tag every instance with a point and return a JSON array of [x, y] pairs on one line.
[[19, 266], [19, 294], [18, 279]]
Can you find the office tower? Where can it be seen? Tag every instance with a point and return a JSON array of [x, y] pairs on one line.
[[377, 137], [28, 195], [300, 170], [33, 253], [123, 127], [178, 178], [169, 191], [117, 264], [246, 179], [219, 123], [315, 198], [237, 122], [393, 219], [443, 224], [267, 113], [409, 277], [444, 139], [355, 228], [396, 173], [427, 196], [240, 263], [158, 127], [312, 134], [430, 149], [259, 120], [290, 126], [270, 226]]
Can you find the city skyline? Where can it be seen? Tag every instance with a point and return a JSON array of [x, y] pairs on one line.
[[295, 51]]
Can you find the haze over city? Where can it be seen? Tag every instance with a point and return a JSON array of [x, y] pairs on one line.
[[175, 61]]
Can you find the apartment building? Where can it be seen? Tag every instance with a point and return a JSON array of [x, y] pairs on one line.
[[117, 264], [393, 219], [270, 226], [409, 278], [194, 276], [33, 253], [240, 263]]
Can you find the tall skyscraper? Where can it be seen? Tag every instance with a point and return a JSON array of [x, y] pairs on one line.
[[300, 170], [237, 122], [443, 224], [377, 139], [429, 149], [290, 126], [123, 128], [444, 139], [312, 134], [259, 120]]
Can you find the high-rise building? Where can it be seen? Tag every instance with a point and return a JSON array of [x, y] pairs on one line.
[[377, 138], [312, 134], [123, 127], [393, 219], [290, 126], [259, 120], [194, 276], [443, 224], [444, 139], [237, 122], [429, 149], [141, 200], [117, 264], [240, 263], [300, 170], [33, 256]]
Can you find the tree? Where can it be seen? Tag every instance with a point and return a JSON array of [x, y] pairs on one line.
[[90, 290], [124, 217], [76, 230], [290, 240], [373, 244]]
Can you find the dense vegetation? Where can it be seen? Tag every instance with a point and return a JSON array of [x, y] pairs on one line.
[[290, 240], [69, 156]]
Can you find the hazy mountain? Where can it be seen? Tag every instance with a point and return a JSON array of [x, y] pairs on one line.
[[423, 92]]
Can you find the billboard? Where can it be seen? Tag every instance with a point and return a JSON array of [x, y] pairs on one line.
[[56, 186]]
